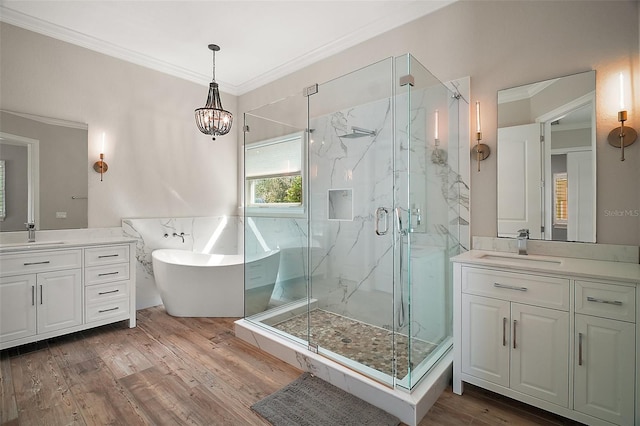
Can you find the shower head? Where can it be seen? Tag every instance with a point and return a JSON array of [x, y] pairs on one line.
[[359, 132]]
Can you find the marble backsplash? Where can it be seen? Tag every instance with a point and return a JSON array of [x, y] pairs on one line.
[[219, 235]]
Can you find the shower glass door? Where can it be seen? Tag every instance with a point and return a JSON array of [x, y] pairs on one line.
[[352, 227], [426, 129]]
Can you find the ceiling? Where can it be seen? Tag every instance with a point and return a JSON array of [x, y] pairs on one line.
[[260, 41]]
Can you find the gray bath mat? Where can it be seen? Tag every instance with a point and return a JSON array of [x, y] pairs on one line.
[[310, 401]]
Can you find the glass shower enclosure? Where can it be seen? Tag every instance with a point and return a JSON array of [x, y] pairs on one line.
[[350, 181]]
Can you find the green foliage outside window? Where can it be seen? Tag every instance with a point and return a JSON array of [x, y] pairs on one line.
[[282, 189]]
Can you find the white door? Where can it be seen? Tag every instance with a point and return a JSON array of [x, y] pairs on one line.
[[59, 300], [540, 353], [485, 338], [519, 181], [581, 203], [17, 307], [604, 369]]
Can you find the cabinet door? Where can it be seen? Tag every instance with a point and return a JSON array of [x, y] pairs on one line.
[[485, 338], [59, 300], [540, 353], [17, 307], [604, 369]]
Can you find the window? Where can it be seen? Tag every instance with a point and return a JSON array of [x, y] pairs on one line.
[[273, 175], [560, 186]]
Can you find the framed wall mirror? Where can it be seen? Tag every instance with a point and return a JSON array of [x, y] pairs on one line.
[[547, 159], [45, 172]]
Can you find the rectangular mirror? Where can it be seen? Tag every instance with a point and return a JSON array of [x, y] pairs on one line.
[[547, 159], [45, 172]]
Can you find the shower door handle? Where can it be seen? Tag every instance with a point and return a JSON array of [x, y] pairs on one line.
[[382, 211]]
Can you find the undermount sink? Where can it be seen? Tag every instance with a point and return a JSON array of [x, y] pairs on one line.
[[515, 258], [32, 244]]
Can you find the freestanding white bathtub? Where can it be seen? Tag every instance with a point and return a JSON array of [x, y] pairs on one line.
[[211, 285]]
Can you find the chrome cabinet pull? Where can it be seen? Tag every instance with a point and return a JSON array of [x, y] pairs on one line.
[[107, 310], [579, 348], [504, 331], [37, 263], [102, 256], [608, 302], [380, 211], [33, 295], [515, 323], [107, 292], [41, 294], [509, 287], [108, 273]]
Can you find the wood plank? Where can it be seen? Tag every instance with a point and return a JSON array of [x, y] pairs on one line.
[[100, 398], [117, 351], [8, 406], [72, 348], [41, 392], [167, 400]]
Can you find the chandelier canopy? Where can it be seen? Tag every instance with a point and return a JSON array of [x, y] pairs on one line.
[[213, 119]]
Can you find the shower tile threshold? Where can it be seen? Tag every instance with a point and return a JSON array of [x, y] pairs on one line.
[[409, 406]]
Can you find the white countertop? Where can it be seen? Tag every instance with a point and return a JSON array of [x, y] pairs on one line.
[[579, 268], [62, 244]]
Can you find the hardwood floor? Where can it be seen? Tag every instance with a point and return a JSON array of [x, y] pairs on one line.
[[170, 371]]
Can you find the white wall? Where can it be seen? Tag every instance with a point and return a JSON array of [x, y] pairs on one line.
[[160, 165], [505, 44]]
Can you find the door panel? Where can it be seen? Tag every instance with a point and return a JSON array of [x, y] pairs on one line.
[[540, 353], [485, 338], [519, 181], [59, 300], [604, 367], [17, 307]]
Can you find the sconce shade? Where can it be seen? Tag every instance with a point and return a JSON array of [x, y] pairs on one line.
[[213, 119]]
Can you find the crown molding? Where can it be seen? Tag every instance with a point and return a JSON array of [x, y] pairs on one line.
[[49, 120], [402, 16], [523, 92], [58, 32], [406, 14]]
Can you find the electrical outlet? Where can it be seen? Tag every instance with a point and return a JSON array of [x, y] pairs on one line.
[[61, 215]]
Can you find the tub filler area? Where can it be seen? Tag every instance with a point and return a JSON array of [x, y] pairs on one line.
[[195, 284]]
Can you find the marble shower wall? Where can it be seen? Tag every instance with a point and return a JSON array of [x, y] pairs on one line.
[[219, 235]]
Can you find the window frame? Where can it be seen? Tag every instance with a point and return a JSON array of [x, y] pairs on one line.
[[297, 210], [557, 221]]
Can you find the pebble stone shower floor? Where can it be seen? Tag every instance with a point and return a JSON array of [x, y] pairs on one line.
[[364, 343]]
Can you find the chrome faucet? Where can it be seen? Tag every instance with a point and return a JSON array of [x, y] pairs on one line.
[[31, 228], [523, 236]]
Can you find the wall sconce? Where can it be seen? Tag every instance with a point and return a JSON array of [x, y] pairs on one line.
[[438, 156], [480, 151], [622, 136], [101, 166]]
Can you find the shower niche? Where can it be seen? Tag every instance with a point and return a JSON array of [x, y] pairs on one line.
[[364, 279], [340, 204]]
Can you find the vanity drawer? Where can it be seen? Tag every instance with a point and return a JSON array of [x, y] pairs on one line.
[[525, 288], [106, 292], [606, 300], [111, 310], [106, 255], [39, 261], [105, 274]]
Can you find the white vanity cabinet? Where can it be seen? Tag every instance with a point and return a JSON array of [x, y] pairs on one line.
[[522, 346], [606, 350], [550, 336], [44, 293]]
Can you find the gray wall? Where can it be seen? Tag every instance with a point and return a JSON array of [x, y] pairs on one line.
[[502, 44]]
